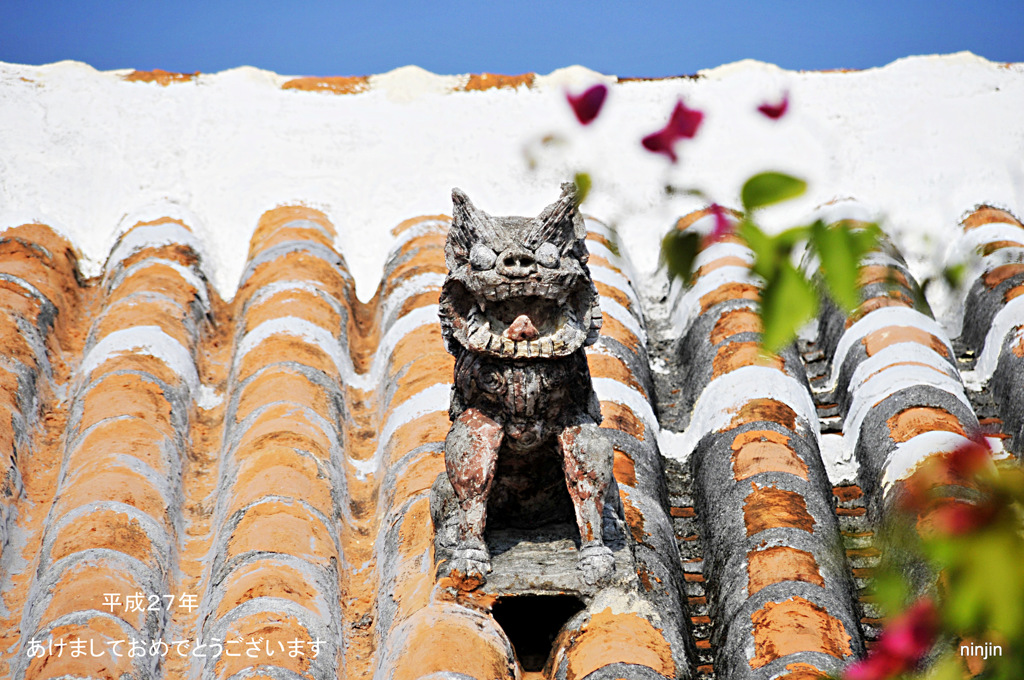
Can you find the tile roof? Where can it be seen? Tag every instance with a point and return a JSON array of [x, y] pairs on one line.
[[196, 486], [268, 462]]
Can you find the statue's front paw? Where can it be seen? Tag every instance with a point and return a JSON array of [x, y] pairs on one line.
[[597, 563], [469, 567]]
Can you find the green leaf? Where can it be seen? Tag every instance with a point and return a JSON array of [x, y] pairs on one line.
[[985, 587], [764, 247], [770, 187], [583, 184], [946, 668], [678, 252], [789, 238], [788, 301], [840, 249], [954, 274], [769, 251], [920, 297], [891, 590]]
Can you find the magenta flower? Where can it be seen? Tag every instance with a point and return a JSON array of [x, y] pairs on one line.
[[723, 225], [905, 640], [956, 518], [775, 111], [682, 124], [587, 105], [971, 458], [962, 464], [875, 667]]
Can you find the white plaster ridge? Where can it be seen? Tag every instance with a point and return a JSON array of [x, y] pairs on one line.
[[373, 159], [880, 319], [724, 396], [148, 340]]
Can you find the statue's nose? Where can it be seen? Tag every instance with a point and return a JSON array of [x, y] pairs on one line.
[[516, 264]]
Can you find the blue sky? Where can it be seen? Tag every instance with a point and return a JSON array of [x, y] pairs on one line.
[[635, 38]]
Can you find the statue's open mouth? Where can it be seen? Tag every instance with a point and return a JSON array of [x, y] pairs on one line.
[[531, 326], [556, 288]]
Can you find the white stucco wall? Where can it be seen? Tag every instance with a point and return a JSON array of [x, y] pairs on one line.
[[918, 143]]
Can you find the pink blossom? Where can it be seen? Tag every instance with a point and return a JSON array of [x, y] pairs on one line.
[[588, 104], [775, 111], [875, 667], [723, 225], [970, 458], [962, 465], [682, 124], [905, 640], [956, 518]]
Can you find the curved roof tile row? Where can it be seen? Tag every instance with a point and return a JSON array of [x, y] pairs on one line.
[[244, 488]]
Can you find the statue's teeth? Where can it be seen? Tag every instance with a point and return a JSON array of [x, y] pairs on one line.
[[478, 340], [502, 291], [491, 294], [546, 347], [507, 346], [522, 349]]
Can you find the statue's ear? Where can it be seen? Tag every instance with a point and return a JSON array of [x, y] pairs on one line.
[[463, 210], [469, 225], [579, 229], [560, 223]]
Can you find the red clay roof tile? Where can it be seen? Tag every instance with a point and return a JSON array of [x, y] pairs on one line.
[[271, 459]]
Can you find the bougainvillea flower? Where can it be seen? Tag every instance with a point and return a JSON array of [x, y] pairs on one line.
[[970, 458], [682, 124], [588, 104], [956, 518], [875, 667], [775, 111], [912, 633], [903, 643], [960, 466], [723, 225]]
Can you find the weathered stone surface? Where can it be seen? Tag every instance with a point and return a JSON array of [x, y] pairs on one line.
[[517, 309]]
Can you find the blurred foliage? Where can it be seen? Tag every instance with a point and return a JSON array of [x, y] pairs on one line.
[[961, 574], [678, 251], [789, 298], [961, 577], [767, 188], [975, 552], [583, 183]]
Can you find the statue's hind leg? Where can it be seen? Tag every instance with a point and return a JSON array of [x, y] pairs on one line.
[[470, 457], [587, 461]]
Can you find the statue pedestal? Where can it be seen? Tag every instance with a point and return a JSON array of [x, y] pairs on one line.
[[540, 560], [543, 561]]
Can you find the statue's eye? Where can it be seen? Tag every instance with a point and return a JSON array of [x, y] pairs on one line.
[[482, 257], [548, 256]]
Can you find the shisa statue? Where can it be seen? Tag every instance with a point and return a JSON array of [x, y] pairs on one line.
[[517, 309]]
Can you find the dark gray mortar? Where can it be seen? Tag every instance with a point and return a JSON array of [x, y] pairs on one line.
[[1007, 388], [727, 545]]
